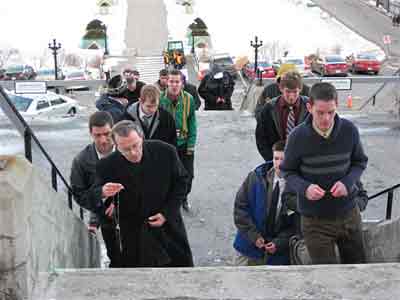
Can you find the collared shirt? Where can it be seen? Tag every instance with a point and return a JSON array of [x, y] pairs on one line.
[[281, 182], [283, 112], [324, 134], [142, 115], [100, 156]]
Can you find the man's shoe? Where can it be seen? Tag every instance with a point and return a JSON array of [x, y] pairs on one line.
[[186, 206]]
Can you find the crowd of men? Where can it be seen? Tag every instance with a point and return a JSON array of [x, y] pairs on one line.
[[302, 205]]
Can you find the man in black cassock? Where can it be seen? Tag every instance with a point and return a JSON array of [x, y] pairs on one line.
[[144, 183]]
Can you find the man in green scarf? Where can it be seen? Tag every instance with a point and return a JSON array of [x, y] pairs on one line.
[[182, 107]]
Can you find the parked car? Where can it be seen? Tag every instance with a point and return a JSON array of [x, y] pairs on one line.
[[301, 66], [20, 72], [330, 65], [266, 68], [43, 105], [226, 63], [76, 74], [48, 74], [366, 63]]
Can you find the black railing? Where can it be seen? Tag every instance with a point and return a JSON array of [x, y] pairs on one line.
[[389, 203], [373, 97], [28, 137]]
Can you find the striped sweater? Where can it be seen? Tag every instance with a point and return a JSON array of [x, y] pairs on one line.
[[312, 159]]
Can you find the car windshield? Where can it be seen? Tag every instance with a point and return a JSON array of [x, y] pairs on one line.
[[334, 59], [175, 45], [20, 103], [15, 69], [261, 64], [223, 61], [366, 56], [295, 61]]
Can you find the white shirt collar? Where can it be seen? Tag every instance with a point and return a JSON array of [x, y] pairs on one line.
[[100, 156], [142, 114]]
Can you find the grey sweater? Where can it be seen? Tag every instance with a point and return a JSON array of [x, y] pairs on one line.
[[312, 159]]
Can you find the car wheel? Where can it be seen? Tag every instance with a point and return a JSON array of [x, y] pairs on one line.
[[72, 111]]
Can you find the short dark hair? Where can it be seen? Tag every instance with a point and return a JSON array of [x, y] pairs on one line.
[[291, 80], [279, 145], [100, 119], [175, 72], [164, 72], [324, 91]]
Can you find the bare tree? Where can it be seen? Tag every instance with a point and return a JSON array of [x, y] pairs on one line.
[[7, 54]]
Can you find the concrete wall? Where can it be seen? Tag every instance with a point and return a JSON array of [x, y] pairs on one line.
[[382, 242], [38, 232]]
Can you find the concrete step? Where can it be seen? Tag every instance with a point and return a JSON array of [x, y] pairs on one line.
[[149, 67], [375, 281]]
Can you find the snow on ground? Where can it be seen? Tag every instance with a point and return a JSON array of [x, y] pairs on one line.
[[29, 26], [232, 24]]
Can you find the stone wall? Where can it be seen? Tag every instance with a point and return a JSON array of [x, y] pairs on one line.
[[38, 232]]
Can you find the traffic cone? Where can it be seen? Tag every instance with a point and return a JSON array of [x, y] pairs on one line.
[[349, 101]]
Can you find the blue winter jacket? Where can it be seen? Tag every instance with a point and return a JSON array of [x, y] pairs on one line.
[[250, 217]]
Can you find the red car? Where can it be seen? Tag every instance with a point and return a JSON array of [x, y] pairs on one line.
[[265, 67], [366, 63], [330, 65]]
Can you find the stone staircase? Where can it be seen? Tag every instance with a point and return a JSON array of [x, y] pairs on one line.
[[149, 67]]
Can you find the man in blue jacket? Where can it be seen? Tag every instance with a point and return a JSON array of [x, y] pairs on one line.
[[261, 216]]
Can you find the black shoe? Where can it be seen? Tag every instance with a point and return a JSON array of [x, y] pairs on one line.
[[186, 206]]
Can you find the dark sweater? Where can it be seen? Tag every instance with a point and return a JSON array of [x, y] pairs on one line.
[[312, 159]]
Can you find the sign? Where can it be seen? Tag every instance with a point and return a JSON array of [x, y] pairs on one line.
[[30, 87], [342, 84], [387, 40]]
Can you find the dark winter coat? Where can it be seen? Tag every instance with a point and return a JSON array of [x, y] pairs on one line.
[[82, 180], [252, 215], [162, 127], [210, 89], [268, 130], [155, 185], [115, 108], [133, 96], [192, 90]]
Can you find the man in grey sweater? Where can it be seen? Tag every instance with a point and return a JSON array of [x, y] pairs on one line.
[[323, 161]]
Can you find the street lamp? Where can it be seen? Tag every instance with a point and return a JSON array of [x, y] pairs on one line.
[[256, 45], [55, 47], [105, 39]]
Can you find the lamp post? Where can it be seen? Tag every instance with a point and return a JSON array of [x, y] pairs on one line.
[[105, 40], [55, 47], [257, 44]]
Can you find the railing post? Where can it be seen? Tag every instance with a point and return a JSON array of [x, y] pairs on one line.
[[389, 205], [54, 177], [28, 144], [373, 100], [70, 199]]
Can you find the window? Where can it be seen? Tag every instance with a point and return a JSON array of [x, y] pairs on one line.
[[42, 104], [334, 59], [20, 103], [57, 101]]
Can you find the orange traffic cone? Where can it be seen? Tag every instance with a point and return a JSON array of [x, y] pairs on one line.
[[349, 101]]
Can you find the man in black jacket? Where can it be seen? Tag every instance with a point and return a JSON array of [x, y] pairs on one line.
[[114, 101], [281, 115], [83, 177], [216, 88], [192, 90], [146, 183], [133, 87], [155, 122]]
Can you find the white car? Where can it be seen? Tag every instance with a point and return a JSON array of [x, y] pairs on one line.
[[302, 68], [33, 106]]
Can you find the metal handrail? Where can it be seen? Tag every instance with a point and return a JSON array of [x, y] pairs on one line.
[[28, 136], [373, 97], [389, 203]]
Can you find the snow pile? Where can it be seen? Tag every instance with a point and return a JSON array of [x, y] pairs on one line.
[[293, 24]]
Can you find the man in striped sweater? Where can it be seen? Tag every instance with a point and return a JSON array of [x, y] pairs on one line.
[[323, 161]]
